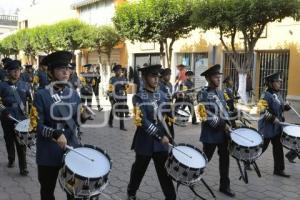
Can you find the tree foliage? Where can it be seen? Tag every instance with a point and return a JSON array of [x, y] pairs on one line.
[[248, 17], [155, 21], [65, 35]]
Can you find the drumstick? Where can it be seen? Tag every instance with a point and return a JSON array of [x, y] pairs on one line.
[[172, 146], [242, 136], [82, 155], [287, 124], [295, 111], [14, 119]]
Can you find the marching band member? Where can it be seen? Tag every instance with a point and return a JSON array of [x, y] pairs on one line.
[[27, 75], [97, 79], [214, 129], [117, 96], [2, 69], [56, 123], [230, 98], [74, 80], [87, 83], [272, 107], [41, 79], [189, 95], [166, 87], [150, 140], [14, 94]]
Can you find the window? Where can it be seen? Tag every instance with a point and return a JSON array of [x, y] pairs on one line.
[[197, 62]]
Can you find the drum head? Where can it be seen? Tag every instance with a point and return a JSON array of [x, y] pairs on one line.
[[183, 113], [86, 168], [292, 130], [246, 137], [23, 126], [196, 159]]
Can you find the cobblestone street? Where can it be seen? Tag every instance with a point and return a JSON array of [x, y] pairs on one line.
[[117, 144]]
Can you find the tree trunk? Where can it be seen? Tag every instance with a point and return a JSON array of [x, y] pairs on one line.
[[167, 52], [170, 52], [242, 87], [161, 53]]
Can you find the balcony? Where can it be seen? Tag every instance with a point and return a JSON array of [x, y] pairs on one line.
[[8, 20]]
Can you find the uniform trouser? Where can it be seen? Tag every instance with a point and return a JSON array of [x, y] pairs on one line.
[[223, 152], [277, 152], [47, 176], [10, 142], [96, 93], [88, 99], [139, 168], [117, 108]]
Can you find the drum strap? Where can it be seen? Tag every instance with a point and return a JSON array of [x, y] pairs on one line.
[[18, 99], [65, 113]]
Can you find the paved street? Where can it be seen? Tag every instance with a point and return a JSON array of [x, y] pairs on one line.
[[117, 143]]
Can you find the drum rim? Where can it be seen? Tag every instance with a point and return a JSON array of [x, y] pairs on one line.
[[285, 133], [197, 149], [82, 177], [294, 137], [245, 147]]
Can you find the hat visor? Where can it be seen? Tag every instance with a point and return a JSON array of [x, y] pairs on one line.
[[207, 75]]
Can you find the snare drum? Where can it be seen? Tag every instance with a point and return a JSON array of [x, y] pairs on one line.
[[181, 117], [83, 178], [291, 137], [22, 131], [246, 144], [184, 169]]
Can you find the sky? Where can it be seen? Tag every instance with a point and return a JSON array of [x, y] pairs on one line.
[[10, 6]]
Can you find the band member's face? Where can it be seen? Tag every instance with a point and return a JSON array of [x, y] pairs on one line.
[[189, 77], [118, 72], [276, 85], [152, 80], [215, 80], [14, 74], [167, 78], [62, 73], [44, 67]]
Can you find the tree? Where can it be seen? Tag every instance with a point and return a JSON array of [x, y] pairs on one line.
[[248, 17], [62, 35], [162, 21], [26, 43], [110, 38], [41, 38], [9, 45]]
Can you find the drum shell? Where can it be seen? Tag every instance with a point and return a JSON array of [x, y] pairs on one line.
[[182, 173], [243, 152], [181, 120], [25, 138], [80, 186], [289, 141]]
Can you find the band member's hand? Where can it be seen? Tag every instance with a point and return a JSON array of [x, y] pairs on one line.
[[165, 140], [276, 121], [227, 128], [62, 141]]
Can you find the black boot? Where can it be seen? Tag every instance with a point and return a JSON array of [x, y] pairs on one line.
[[10, 164]]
